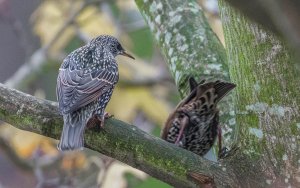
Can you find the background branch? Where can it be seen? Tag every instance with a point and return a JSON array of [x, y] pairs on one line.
[[119, 140], [38, 58]]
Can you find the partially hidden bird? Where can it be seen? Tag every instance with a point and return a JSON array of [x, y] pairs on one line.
[[194, 124], [85, 83]]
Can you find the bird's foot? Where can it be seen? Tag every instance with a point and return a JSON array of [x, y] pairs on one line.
[[93, 122], [184, 122], [225, 152], [104, 117], [107, 115], [98, 119]]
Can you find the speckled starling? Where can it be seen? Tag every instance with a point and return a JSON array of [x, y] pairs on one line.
[[194, 123], [85, 84]]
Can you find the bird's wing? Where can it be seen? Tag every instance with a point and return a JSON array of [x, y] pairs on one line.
[[76, 89]]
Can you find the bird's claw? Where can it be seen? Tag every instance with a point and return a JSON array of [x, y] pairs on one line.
[[107, 115], [104, 117], [223, 153]]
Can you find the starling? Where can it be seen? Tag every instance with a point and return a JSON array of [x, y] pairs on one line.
[[194, 124], [85, 84]]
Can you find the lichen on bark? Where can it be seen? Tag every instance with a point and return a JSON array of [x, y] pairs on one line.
[[186, 39], [266, 97], [190, 48]]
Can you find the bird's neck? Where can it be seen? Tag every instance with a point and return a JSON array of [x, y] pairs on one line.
[[102, 58]]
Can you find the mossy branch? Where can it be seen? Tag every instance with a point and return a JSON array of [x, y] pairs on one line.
[[190, 48], [267, 102], [187, 41], [281, 17], [119, 140]]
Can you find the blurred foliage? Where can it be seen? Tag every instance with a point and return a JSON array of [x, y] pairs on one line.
[[133, 100], [129, 100], [211, 11], [144, 51], [26, 143], [150, 182], [51, 16]]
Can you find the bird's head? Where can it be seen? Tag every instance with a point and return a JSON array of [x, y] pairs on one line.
[[111, 44]]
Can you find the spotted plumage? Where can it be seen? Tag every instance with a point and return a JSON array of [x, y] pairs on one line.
[[85, 84], [194, 123]]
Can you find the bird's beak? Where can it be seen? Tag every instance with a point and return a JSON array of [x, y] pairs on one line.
[[124, 53]]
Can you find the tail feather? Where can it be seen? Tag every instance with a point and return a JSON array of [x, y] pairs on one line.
[[72, 134], [222, 88], [193, 83]]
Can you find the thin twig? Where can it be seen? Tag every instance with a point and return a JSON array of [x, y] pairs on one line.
[[38, 58]]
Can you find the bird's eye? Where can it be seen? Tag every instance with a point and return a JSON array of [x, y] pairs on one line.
[[119, 47]]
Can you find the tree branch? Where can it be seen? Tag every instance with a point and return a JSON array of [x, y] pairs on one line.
[[190, 48], [119, 140], [267, 102], [281, 17], [187, 41]]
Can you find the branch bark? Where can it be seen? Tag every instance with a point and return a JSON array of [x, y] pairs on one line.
[[190, 48], [189, 45], [267, 101], [281, 17], [119, 140]]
